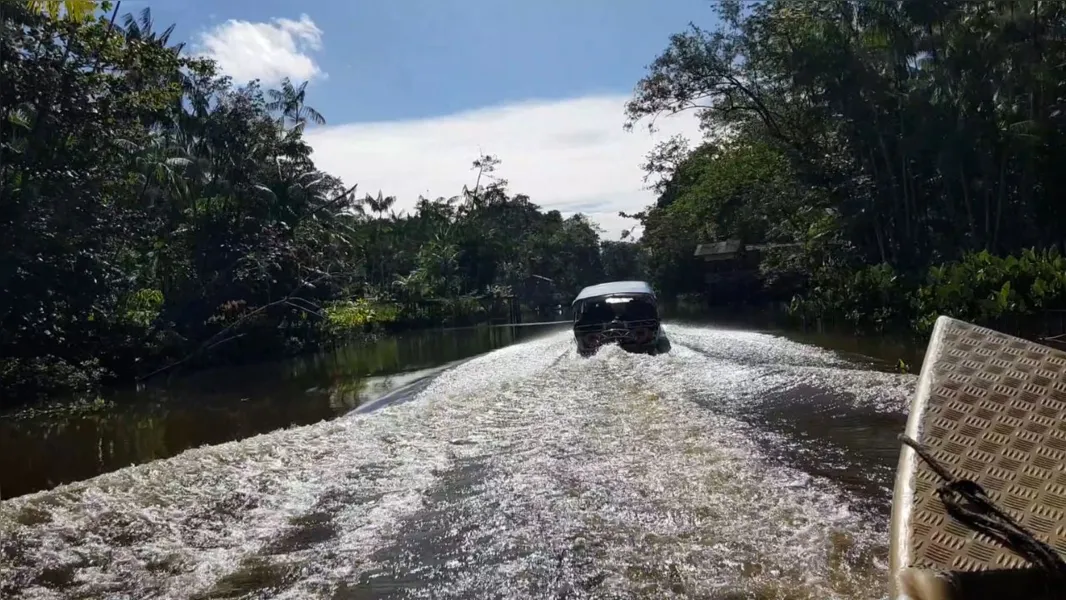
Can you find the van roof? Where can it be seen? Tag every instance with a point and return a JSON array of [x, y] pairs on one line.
[[612, 288]]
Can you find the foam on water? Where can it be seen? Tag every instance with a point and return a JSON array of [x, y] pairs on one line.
[[526, 473]]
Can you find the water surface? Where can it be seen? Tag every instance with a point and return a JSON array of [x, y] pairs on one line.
[[170, 416], [739, 465]]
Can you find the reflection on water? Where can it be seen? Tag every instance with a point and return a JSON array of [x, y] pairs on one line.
[[234, 403]]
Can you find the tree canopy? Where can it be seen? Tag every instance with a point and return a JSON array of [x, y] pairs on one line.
[[904, 133], [154, 212]]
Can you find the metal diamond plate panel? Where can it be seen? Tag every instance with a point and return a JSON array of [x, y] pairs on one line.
[[995, 413]]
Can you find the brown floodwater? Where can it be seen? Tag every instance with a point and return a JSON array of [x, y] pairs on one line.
[[160, 420], [485, 462]]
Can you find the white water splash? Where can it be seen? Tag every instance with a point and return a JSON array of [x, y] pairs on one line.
[[525, 473]]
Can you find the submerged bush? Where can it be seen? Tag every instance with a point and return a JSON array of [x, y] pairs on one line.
[[980, 288], [347, 318], [983, 288], [42, 376], [873, 298]]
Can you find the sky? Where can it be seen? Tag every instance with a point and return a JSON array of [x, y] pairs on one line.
[[413, 91]]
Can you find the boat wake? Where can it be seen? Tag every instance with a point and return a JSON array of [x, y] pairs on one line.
[[524, 473]]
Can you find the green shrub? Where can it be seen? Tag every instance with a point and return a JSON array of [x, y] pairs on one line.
[[983, 288], [980, 288], [347, 318], [869, 298], [46, 375]]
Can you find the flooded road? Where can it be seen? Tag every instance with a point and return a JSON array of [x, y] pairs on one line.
[[739, 465], [40, 451]]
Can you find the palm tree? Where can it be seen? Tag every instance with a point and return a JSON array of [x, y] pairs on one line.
[[289, 101], [379, 206], [161, 166], [143, 29]]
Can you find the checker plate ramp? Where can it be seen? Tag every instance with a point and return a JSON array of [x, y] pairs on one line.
[[990, 408]]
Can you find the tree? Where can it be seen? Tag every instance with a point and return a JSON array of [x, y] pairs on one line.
[[623, 260], [289, 103], [153, 215], [904, 133], [73, 10]]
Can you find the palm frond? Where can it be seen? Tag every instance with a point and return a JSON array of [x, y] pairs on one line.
[[178, 161], [266, 191], [315, 116]]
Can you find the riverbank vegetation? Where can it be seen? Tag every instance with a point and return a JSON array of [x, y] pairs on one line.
[[155, 214], [900, 159], [905, 156]]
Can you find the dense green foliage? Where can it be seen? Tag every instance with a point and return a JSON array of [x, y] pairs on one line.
[[879, 138], [152, 213], [981, 288], [902, 156]]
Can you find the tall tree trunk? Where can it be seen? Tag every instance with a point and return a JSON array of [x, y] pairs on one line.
[[1000, 199], [967, 202]]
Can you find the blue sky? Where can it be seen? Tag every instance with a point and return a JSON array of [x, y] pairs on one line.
[[401, 59], [440, 80]]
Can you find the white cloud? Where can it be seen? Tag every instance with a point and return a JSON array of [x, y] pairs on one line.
[[570, 155], [265, 51]]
